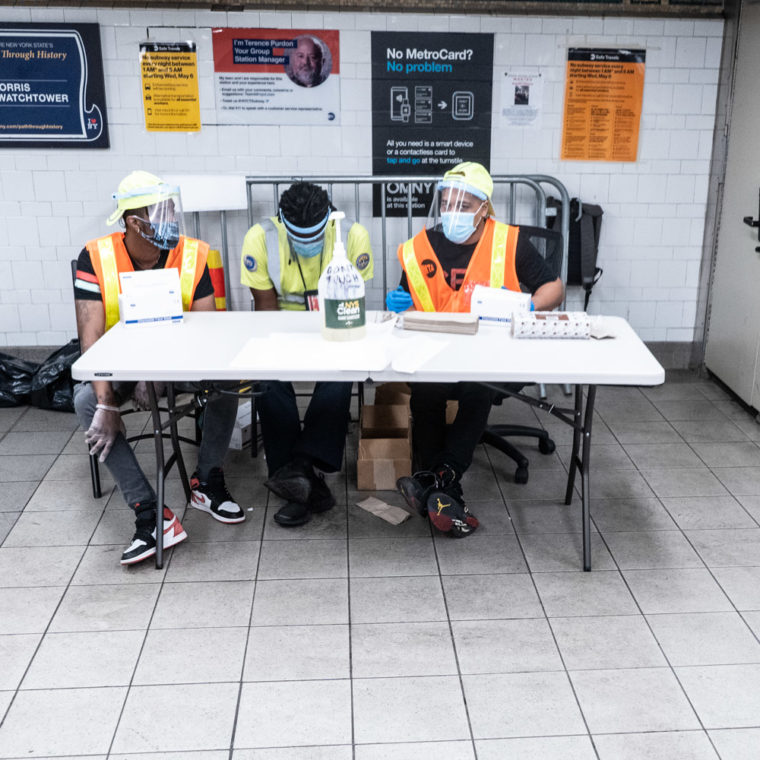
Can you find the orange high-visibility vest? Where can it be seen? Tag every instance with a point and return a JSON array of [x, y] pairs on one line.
[[216, 272], [109, 258], [492, 264]]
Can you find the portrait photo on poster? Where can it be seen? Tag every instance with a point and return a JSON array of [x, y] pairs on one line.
[[309, 62]]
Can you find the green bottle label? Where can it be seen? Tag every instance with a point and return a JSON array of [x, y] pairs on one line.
[[343, 313]]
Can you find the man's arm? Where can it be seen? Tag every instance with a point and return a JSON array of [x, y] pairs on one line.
[[91, 325], [265, 300], [207, 303], [549, 296]]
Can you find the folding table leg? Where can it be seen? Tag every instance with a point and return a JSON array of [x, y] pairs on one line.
[[585, 481], [159, 442]]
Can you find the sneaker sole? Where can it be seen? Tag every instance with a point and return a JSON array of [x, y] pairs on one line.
[[200, 503], [408, 491], [169, 541]]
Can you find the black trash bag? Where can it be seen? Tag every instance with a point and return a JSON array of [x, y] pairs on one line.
[[52, 386], [15, 380]]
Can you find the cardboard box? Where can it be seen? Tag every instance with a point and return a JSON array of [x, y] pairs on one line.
[[384, 421], [241, 433], [381, 462], [392, 393]]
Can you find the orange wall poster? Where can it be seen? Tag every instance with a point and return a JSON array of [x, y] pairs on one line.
[[604, 89]]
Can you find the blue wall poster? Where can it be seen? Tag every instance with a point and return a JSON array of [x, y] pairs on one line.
[[52, 93], [431, 109]]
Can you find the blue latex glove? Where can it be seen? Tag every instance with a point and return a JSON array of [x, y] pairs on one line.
[[398, 300], [532, 306]]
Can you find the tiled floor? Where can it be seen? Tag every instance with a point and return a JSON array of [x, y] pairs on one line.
[[350, 638]]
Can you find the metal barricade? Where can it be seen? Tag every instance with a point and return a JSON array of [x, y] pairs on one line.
[[516, 198]]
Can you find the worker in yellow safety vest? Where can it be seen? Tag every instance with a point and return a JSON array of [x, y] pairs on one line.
[[462, 246], [150, 214], [281, 262]]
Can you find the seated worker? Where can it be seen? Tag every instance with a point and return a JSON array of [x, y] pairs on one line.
[[463, 246], [281, 262], [150, 214]]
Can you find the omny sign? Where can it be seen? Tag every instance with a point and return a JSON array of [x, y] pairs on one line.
[[51, 86]]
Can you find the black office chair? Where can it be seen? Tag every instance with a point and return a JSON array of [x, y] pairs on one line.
[[549, 245]]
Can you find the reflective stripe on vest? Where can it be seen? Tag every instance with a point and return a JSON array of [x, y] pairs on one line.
[[272, 237], [415, 276], [498, 255], [110, 284], [187, 272]]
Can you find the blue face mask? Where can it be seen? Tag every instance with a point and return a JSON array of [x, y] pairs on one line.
[[165, 234], [308, 250], [458, 227]]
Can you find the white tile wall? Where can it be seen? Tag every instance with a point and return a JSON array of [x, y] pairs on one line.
[[52, 202]]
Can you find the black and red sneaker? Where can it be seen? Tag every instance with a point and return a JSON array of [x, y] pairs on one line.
[[446, 508], [415, 489]]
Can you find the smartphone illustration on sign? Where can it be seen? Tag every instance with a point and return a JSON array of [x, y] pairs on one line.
[[462, 105], [401, 110]]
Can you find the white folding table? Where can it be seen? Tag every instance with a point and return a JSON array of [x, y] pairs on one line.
[[224, 346]]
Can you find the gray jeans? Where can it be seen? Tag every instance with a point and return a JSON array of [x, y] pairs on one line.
[[218, 422]]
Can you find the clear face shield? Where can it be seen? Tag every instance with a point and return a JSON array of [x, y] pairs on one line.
[[456, 210], [161, 222]]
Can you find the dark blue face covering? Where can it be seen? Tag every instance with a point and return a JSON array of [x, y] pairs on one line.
[[165, 234]]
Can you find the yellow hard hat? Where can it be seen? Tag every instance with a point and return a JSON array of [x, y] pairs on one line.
[[138, 190], [473, 178]]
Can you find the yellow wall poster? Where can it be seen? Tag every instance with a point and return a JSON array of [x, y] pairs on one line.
[[603, 94], [170, 86]]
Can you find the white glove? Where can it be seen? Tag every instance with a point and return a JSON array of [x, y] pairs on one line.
[[105, 426], [140, 395]]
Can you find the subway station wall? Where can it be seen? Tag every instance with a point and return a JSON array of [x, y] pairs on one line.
[[53, 201]]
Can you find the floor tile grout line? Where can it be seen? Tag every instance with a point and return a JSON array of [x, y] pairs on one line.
[[452, 638], [665, 657], [247, 639], [164, 571], [44, 634]]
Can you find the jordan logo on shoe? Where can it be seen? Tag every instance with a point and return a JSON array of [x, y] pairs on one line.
[[441, 507]]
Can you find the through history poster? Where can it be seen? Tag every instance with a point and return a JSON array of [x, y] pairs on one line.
[[51, 89], [431, 108]]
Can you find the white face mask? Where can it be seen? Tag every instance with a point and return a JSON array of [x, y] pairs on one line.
[[459, 226]]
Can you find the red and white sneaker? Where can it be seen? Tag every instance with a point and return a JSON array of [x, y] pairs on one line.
[[144, 543], [213, 497]]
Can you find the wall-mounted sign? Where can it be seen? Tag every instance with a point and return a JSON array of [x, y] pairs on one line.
[[51, 86], [521, 99], [603, 95], [277, 76], [170, 86], [431, 108]]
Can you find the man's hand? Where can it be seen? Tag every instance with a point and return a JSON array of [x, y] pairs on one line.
[[141, 396], [105, 426], [398, 300]]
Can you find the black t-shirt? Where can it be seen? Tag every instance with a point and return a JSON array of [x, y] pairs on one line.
[[87, 288], [532, 269]]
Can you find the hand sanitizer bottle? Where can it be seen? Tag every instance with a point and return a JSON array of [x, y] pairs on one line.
[[341, 294]]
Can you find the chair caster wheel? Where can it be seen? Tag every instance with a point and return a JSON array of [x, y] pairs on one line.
[[521, 475], [546, 446]]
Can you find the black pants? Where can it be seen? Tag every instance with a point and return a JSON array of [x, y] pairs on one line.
[[436, 443], [323, 436]]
